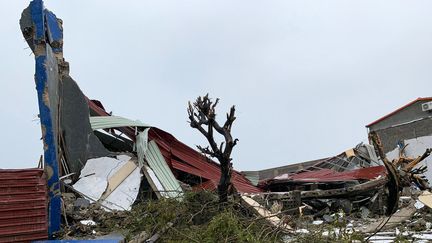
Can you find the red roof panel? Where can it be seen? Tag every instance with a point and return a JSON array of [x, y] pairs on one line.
[[23, 205], [328, 175]]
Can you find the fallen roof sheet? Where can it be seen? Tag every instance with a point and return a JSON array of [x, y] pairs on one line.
[[328, 175], [103, 122], [162, 171]]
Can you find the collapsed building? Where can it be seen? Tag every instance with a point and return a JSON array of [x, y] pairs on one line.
[[114, 161], [348, 181]]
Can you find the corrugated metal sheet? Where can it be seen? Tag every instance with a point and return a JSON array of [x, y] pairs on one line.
[[184, 158], [271, 173], [208, 186], [162, 171], [102, 122], [328, 175], [23, 205]]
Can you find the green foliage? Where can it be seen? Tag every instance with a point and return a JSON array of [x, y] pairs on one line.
[[402, 239], [226, 227], [197, 218]]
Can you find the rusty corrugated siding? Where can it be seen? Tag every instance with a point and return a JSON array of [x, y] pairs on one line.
[[23, 205]]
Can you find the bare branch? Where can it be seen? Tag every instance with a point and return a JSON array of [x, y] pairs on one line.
[[416, 161], [230, 119], [203, 113], [376, 142], [221, 146], [206, 150]]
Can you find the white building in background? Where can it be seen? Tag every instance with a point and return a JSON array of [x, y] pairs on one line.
[[411, 124]]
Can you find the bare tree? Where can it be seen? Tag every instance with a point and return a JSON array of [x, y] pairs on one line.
[[392, 174], [202, 116]]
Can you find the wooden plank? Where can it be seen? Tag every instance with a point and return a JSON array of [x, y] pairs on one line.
[[350, 153], [115, 180], [263, 212], [426, 198]]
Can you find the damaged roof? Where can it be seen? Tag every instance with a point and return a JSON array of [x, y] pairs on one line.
[[276, 171], [181, 157]]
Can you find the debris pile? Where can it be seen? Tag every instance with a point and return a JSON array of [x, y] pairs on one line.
[[350, 181], [344, 197], [410, 223], [83, 219]]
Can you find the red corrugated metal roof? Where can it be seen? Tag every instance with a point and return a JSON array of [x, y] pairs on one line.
[[401, 108], [328, 175], [182, 157], [208, 186], [23, 205]]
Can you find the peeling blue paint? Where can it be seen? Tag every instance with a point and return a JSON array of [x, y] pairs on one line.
[[55, 33], [36, 7], [49, 139]]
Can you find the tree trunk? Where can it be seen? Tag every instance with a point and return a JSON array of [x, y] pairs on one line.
[[224, 182], [202, 116]]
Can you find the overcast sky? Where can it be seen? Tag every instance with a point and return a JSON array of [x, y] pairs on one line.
[[305, 76]]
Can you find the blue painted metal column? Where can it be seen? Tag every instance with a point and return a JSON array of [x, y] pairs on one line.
[[45, 33]]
